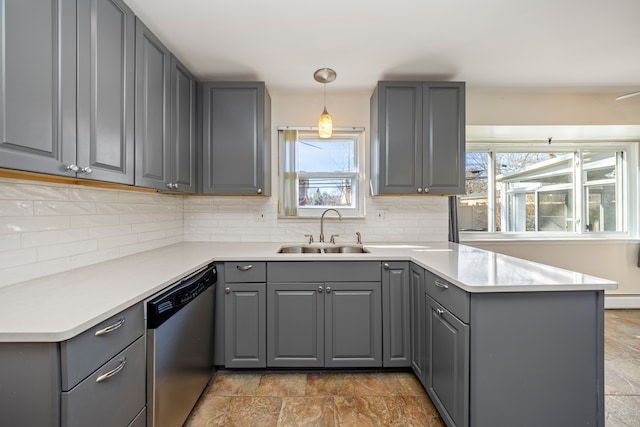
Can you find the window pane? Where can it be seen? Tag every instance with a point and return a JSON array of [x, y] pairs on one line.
[[473, 206], [326, 156], [325, 192], [600, 171], [555, 211], [523, 178]]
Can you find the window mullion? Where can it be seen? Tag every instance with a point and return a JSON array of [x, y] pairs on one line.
[[491, 192]]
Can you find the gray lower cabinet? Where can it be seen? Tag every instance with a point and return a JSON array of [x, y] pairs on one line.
[[38, 86], [314, 320], [396, 314], [243, 310], [106, 73], [152, 105], [418, 137], [236, 135], [96, 378], [418, 332], [447, 350]]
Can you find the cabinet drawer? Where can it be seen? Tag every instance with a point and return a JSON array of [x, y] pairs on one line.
[[449, 296], [323, 271], [114, 401], [84, 353], [245, 272]]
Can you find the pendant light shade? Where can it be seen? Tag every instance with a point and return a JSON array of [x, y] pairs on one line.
[[325, 124]]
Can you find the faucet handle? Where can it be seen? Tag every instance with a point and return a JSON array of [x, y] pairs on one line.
[[333, 238], [359, 237], [310, 236]]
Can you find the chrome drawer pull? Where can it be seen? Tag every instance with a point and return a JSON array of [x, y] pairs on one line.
[[244, 267], [110, 328], [441, 285], [439, 311], [112, 372]]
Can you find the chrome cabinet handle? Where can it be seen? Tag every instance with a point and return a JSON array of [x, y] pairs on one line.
[[328, 289], [441, 285], [110, 328], [169, 185], [244, 267], [426, 190], [386, 266], [259, 191], [86, 170], [112, 372], [227, 290], [73, 168], [175, 186], [319, 289], [419, 190], [439, 311]]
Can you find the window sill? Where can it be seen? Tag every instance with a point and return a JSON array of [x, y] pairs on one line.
[[545, 238]]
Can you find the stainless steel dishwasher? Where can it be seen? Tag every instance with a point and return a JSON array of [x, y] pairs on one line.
[[179, 348]]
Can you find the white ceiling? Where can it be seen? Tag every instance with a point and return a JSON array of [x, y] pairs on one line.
[[531, 45]]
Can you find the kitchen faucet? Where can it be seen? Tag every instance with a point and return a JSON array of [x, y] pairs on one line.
[[322, 222]]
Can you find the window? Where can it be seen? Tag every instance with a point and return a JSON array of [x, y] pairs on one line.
[[316, 174], [570, 188]]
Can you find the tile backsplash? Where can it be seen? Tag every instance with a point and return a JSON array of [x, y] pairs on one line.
[[47, 228]]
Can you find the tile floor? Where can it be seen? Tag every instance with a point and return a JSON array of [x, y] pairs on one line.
[[391, 398]]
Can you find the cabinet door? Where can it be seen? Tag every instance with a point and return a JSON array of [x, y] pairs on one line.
[[245, 325], [106, 44], [153, 62], [398, 145], [353, 326], [396, 314], [295, 324], [444, 137], [38, 85], [418, 333], [448, 359], [235, 139], [183, 128]]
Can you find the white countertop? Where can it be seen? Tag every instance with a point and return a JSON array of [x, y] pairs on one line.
[[58, 307]]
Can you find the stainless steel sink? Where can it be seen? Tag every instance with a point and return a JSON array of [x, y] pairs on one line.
[[338, 249]]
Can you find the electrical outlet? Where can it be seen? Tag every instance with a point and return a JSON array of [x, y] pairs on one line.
[[259, 216], [381, 215]]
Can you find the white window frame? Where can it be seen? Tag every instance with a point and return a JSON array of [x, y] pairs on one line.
[[628, 187], [355, 134]]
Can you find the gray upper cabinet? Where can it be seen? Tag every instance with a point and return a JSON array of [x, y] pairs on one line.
[[153, 65], [183, 129], [38, 85], [106, 44], [236, 134], [418, 138], [396, 314]]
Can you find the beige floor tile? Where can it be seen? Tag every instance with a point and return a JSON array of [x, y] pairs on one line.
[[253, 411], [236, 384], [307, 411], [622, 377], [328, 384], [622, 411], [282, 385]]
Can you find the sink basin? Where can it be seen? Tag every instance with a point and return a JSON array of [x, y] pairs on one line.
[[299, 250], [302, 249], [345, 250]]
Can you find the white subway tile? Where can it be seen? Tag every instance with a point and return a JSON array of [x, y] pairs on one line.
[[136, 248], [25, 224], [9, 242], [64, 208], [15, 275], [10, 190], [82, 260], [86, 221], [84, 194], [44, 238], [117, 241], [66, 249], [15, 208], [16, 258], [109, 231]]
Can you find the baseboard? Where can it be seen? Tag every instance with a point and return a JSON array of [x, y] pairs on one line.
[[622, 301]]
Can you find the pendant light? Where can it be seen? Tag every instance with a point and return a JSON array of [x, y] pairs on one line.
[[325, 124]]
